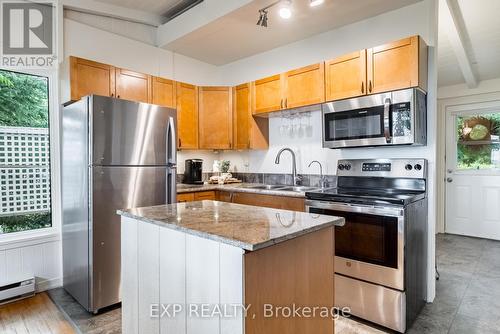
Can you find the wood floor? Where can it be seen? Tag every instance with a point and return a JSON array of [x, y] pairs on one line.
[[36, 315]]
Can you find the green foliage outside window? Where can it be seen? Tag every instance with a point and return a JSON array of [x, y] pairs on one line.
[[478, 145], [25, 222], [23, 100]]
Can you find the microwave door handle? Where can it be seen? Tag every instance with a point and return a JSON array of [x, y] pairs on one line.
[[387, 125]]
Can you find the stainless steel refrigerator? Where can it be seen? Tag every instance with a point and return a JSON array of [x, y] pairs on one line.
[[115, 154]]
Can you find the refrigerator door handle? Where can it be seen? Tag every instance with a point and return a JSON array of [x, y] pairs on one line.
[[171, 142], [171, 186]]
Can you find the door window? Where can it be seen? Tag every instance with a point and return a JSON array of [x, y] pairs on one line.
[[478, 141]]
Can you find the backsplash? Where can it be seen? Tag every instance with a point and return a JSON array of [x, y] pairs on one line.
[[270, 178]]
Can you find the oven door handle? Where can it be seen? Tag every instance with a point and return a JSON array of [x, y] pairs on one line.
[[387, 123], [356, 208]]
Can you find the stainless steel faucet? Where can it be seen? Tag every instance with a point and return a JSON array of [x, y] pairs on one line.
[[323, 183], [297, 179]]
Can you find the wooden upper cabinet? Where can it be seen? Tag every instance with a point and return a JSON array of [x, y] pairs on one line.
[[187, 115], [215, 118], [397, 65], [89, 77], [249, 132], [242, 113], [304, 86], [345, 76], [268, 94], [133, 86], [163, 92]]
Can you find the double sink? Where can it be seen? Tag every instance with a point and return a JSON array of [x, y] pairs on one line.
[[280, 187]]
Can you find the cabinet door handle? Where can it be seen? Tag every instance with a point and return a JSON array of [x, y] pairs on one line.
[[118, 96], [281, 103], [112, 94], [248, 144], [370, 86], [180, 142], [362, 87], [286, 103]]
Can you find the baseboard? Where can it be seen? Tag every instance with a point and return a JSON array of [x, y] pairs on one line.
[[47, 284]]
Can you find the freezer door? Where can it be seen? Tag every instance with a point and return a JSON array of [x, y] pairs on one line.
[[127, 133], [117, 188]]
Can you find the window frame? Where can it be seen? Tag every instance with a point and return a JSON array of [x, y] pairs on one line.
[[36, 236]]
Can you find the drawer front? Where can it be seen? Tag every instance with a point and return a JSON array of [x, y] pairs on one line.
[[185, 197], [204, 195]]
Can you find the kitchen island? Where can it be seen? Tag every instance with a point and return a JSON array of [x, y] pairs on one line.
[[215, 267]]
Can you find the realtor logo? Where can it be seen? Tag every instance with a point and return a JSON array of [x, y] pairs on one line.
[[28, 33]]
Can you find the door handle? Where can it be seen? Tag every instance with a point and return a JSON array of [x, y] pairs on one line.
[[170, 144], [362, 87], [387, 125], [449, 180]]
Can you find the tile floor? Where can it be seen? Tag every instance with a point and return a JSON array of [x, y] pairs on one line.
[[467, 295]]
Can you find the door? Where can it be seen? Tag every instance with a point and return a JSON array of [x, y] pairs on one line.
[[163, 92], [90, 77], [187, 115], [115, 188], [345, 76], [268, 94], [133, 86], [130, 133], [393, 65], [305, 86], [215, 117], [473, 170]]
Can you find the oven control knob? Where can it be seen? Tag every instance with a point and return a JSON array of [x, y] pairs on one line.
[[418, 167], [347, 167], [341, 167], [408, 167]]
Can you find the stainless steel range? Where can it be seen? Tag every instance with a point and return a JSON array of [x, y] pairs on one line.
[[381, 251]]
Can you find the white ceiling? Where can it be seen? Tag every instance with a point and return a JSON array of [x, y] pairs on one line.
[[481, 41], [158, 7], [237, 36]]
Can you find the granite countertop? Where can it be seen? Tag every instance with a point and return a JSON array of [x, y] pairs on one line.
[[236, 187], [244, 226]]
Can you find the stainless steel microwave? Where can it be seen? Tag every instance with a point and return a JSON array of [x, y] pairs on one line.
[[394, 118]]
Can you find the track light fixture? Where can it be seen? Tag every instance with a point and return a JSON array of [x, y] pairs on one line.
[[262, 18], [285, 10]]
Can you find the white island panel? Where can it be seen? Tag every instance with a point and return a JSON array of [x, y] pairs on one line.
[[173, 280], [129, 285], [148, 253]]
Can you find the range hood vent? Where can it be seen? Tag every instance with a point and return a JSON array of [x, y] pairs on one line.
[[180, 7]]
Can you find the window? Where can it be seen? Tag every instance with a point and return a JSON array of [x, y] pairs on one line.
[[478, 141], [25, 187]]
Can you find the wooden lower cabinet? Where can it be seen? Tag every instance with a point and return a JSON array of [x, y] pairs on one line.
[[270, 201], [185, 197], [297, 272], [196, 196]]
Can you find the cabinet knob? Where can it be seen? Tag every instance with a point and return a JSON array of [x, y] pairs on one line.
[[370, 86]]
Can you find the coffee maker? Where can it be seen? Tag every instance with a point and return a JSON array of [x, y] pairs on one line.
[[193, 171]]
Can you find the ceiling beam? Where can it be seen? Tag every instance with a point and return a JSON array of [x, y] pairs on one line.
[[456, 32], [113, 11], [195, 18]]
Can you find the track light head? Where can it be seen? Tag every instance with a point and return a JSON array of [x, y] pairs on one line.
[[262, 18]]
